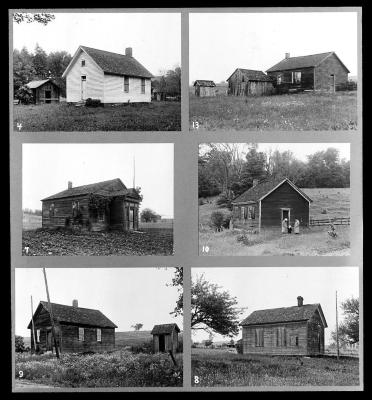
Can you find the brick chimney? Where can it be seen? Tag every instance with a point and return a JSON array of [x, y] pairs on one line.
[[255, 182], [75, 303], [287, 55], [300, 301], [128, 52], [69, 185]]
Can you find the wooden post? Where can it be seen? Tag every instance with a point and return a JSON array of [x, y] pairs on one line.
[[33, 326], [337, 344], [51, 315]]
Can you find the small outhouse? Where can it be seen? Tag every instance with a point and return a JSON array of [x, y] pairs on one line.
[[204, 88], [165, 337], [45, 91]]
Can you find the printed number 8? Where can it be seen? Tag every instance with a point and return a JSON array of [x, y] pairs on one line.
[[196, 379], [20, 373]]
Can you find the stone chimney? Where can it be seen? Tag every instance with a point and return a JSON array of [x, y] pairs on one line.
[[255, 182], [75, 303], [300, 301], [69, 185], [287, 55], [128, 52]]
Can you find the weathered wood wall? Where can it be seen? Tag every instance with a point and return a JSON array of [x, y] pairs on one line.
[[39, 93], [205, 91], [170, 340], [315, 335], [307, 79], [239, 219], [240, 86], [114, 90], [284, 197], [323, 79]]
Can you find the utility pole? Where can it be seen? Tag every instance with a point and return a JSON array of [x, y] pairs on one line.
[[337, 344], [33, 326], [51, 315], [134, 172]]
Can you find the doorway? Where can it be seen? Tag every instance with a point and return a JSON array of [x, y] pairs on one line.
[[286, 213], [48, 96], [162, 343], [131, 218], [49, 345], [333, 83], [83, 87]]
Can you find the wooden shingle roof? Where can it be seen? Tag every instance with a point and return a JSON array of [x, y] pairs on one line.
[[201, 82], [164, 329], [36, 84], [110, 188], [264, 188], [312, 60], [253, 75], [75, 315], [284, 314]]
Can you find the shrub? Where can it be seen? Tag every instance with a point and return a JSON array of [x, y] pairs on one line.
[[143, 348], [19, 344], [24, 95], [243, 238], [239, 346], [93, 102], [217, 219], [224, 201]]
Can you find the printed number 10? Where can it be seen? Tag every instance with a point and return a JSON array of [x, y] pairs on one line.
[[205, 249]]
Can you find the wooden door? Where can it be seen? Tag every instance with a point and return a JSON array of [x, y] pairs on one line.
[[48, 96], [83, 87], [131, 218], [161, 343]]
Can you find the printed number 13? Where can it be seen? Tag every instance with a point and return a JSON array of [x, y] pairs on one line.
[[195, 124]]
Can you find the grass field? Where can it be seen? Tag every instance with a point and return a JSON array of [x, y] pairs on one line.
[[116, 369], [303, 111], [155, 116], [31, 221], [312, 241], [218, 368]]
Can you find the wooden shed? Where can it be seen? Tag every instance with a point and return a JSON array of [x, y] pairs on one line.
[[268, 202], [165, 337], [249, 82], [297, 330], [204, 88], [77, 329], [323, 71], [97, 207], [45, 91]]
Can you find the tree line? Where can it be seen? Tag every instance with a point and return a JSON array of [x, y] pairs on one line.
[[230, 169]]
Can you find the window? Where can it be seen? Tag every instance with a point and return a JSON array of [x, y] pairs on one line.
[[99, 335], [75, 208], [101, 215], [281, 337], [51, 210], [293, 340], [259, 337], [81, 334], [83, 63], [251, 212], [37, 335], [143, 84], [296, 78], [242, 212], [126, 84], [83, 78], [279, 79]]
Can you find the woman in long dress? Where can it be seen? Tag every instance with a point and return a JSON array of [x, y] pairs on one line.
[[284, 226], [296, 226]]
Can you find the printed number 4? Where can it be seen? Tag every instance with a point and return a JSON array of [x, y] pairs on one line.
[[19, 125], [205, 249], [195, 124], [20, 373], [196, 379]]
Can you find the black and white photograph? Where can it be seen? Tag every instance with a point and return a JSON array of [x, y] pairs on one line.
[[273, 71], [97, 71], [275, 327], [274, 199], [97, 199], [98, 327]]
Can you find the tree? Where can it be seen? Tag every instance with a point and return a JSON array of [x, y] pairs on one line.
[[40, 62], [137, 326], [24, 95], [42, 18], [148, 215], [19, 344], [348, 330]]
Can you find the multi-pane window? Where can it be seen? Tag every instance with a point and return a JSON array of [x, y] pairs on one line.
[[99, 335], [126, 84], [259, 337], [296, 77], [51, 210], [81, 334], [143, 85], [281, 340], [251, 212], [83, 78], [83, 63]]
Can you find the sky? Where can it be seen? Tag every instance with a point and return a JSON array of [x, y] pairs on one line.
[[47, 168], [221, 42], [154, 37], [125, 295], [264, 288], [300, 150]]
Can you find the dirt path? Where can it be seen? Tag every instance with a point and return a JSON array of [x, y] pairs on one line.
[[25, 384]]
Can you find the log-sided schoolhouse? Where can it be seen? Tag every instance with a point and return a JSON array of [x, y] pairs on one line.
[[268, 202], [97, 207], [324, 71], [204, 88], [77, 329], [249, 82], [109, 77], [297, 330], [165, 337], [44, 91]]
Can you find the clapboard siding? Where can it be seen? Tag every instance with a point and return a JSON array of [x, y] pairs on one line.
[[330, 66], [241, 218], [170, 342], [284, 197], [307, 78], [114, 90], [292, 329], [238, 87], [94, 79], [205, 91], [315, 335]]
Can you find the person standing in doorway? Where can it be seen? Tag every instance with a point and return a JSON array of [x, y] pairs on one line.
[[285, 225]]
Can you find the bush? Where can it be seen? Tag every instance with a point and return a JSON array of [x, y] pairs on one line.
[[93, 102], [239, 346], [19, 344], [243, 238], [146, 348], [224, 201], [24, 95], [217, 219]]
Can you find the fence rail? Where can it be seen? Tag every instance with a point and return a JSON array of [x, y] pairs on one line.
[[328, 221], [343, 352]]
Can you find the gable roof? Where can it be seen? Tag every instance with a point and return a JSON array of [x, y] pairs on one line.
[[36, 84], [110, 188], [201, 82], [312, 60], [264, 188], [284, 314], [113, 63], [253, 75], [164, 329], [75, 315]]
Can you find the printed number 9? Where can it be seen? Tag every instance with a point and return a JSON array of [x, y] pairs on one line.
[[196, 379], [20, 373]]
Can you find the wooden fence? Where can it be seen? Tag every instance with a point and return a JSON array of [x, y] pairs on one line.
[[328, 221], [344, 352]]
